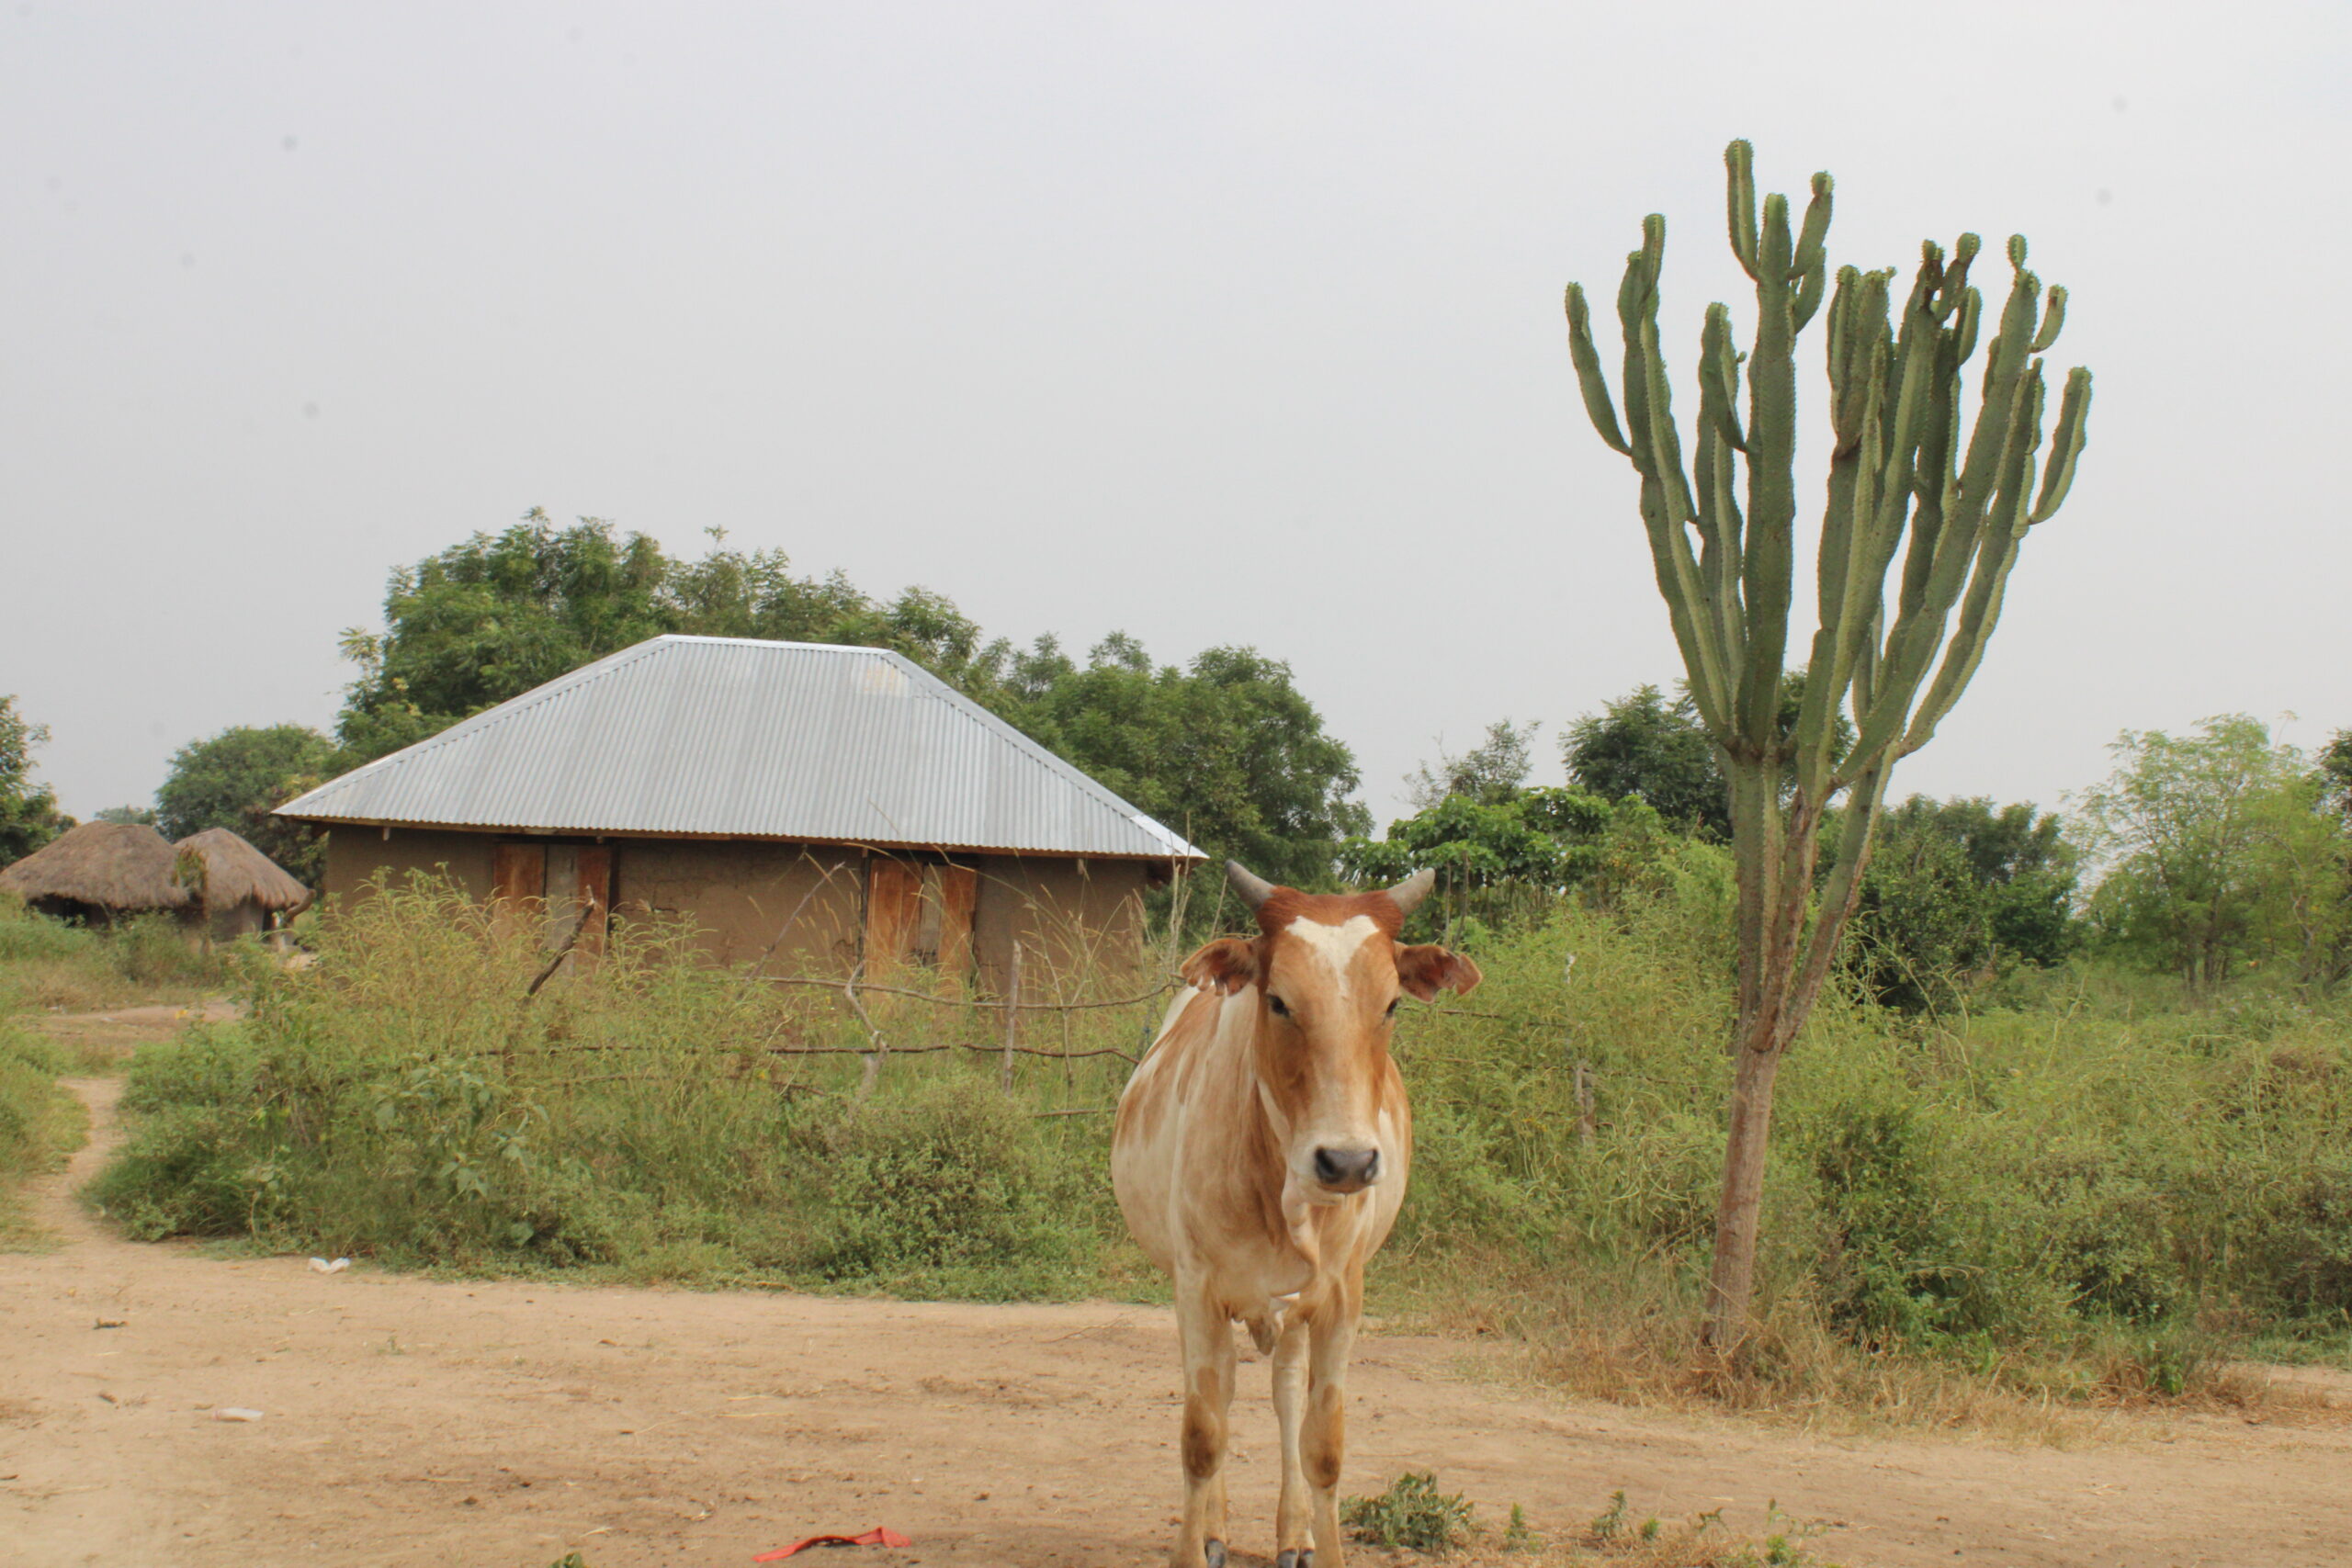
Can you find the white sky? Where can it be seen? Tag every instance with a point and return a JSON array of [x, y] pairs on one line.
[[1215, 323]]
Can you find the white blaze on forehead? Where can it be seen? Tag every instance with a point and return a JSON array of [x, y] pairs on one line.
[[1334, 946]]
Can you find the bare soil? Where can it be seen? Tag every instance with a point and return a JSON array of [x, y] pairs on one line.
[[421, 1421]]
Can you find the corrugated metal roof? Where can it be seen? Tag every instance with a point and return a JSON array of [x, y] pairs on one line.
[[738, 738]]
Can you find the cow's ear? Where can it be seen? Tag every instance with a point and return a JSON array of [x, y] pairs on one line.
[[1223, 966], [1428, 969]]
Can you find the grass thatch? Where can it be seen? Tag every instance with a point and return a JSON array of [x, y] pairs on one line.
[[227, 870], [118, 866]]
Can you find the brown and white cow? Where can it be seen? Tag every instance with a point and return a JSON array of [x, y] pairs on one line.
[[1259, 1157]]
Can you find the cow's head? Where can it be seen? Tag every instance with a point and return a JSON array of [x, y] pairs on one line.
[[1328, 971]]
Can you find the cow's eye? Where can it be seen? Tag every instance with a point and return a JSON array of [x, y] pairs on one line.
[[1392, 1006], [1282, 1007]]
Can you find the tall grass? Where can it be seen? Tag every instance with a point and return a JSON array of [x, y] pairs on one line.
[[652, 1116], [2080, 1190], [53, 965], [41, 1123]]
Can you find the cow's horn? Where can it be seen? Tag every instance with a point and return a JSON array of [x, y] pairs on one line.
[[1413, 889], [1251, 890]]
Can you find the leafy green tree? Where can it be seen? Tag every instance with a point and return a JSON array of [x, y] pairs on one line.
[[137, 816], [2218, 847], [1499, 860], [1955, 886], [235, 779], [1223, 750], [1656, 751], [490, 619], [28, 814], [1493, 772]]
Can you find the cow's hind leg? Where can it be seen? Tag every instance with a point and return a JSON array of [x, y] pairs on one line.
[[1208, 1395], [1323, 1439], [1292, 1522]]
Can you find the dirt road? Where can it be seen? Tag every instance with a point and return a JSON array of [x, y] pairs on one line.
[[416, 1422]]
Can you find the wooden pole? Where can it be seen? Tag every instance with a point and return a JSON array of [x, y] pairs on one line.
[[1012, 1017]]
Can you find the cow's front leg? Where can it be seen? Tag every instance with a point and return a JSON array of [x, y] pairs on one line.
[[1291, 1520], [1208, 1395], [1324, 1437]]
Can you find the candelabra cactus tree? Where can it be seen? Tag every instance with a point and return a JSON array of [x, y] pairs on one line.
[[1925, 512]]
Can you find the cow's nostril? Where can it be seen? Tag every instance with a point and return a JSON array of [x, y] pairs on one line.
[[1347, 1168]]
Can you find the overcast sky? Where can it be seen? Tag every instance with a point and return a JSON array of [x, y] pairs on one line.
[[1212, 322]]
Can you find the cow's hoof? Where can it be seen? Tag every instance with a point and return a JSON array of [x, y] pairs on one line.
[[1295, 1558], [1213, 1554]]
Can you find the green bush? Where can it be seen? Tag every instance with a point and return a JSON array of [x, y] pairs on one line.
[[40, 1121], [1412, 1513], [401, 1098]]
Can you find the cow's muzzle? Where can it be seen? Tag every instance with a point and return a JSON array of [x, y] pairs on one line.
[[1347, 1170]]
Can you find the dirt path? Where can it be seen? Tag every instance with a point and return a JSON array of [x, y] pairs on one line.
[[417, 1422]]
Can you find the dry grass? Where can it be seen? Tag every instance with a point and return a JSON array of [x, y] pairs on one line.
[[1639, 1350]]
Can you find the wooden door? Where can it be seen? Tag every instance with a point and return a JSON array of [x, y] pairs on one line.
[[518, 887], [893, 911], [957, 889]]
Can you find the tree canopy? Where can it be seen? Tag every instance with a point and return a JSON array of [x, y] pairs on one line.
[[1954, 888], [2218, 848], [1223, 750], [28, 814], [1659, 752], [235, 779]]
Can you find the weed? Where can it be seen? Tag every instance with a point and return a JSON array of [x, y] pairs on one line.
[[1412, 1513]]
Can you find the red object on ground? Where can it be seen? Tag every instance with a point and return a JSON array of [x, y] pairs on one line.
[[880, 1535]]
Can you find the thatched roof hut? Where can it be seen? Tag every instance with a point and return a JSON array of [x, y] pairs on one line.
[[101, 870], [228, 876]]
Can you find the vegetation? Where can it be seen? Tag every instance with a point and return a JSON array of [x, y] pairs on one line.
[[2220, 847], [28, 814], [50, 965], [237, 778], [2078, 1187], [1957, 891], [39, 1122], [1906, 464], [1657, 751], [1412, 1513]]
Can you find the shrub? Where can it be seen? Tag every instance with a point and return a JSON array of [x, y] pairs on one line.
[[1412, 1513]]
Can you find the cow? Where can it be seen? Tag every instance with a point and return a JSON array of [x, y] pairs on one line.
[[1259, 1157]]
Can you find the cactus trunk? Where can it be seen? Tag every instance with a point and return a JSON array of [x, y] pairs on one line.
[[1912, 480]]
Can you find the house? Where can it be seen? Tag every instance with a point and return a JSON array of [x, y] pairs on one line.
[[214, 883], [102, 872], [241, 891], [807, 807]]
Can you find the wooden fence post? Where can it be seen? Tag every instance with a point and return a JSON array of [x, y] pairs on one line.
[[1012, 1017]]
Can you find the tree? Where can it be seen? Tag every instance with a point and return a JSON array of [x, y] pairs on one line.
[[2216, 848], [1905, 463], [1492, 771], [490, 618], [1659, 752], [1955, 887], [1225, 749], [134, 816], [28, 814], [1499, 860], [237, 778]]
